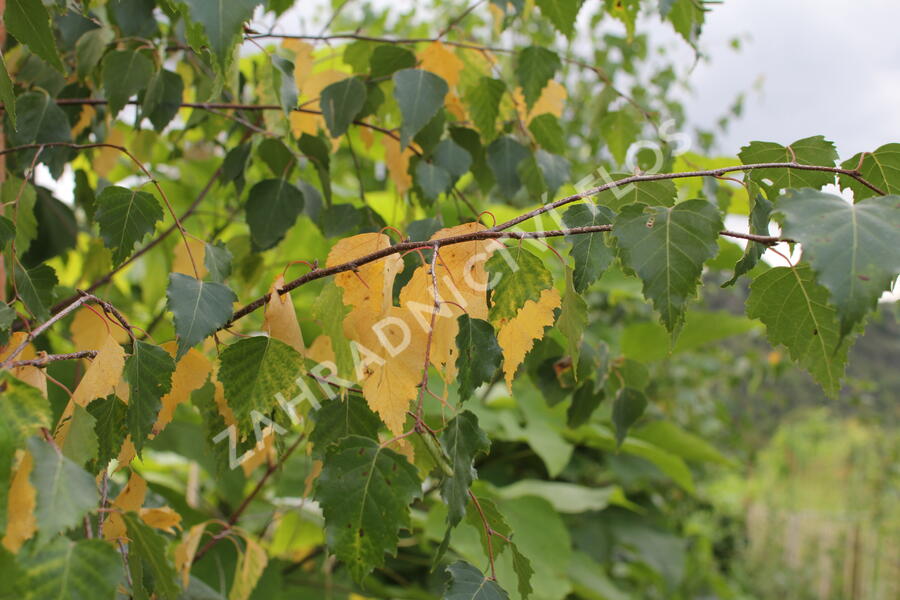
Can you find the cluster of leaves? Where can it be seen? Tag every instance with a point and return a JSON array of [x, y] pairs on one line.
[[425, 356]]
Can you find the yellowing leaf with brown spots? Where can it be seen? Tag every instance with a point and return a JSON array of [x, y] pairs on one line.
[[250, 566], [181, 261], [163, 518], [186, 550], [516, 336], [440, 60], [461, 287], [130, 499], [103, 374], [20, 521], [281, 317], [190, 374]]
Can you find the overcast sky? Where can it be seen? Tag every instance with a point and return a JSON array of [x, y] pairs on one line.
[[828, 67]]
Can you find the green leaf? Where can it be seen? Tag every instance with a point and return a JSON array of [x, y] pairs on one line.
[[687, 17], [795, 311], [592, 255], [554, 170], [150, 547], [387, 59], [35, 288], [667, 247], [221, 21], [620, 130], [759, 225], [329, 311], [65, 491], [252, 371], [468, 583], [319, 154], [283, 81], [454, 158], [535, 66], [339, 418], [628, 406], [41, 121], [503, 156], [483, 102], [548, 133], [420, 95], [479, 354], [80, 445], [7, 232], [432, 179], [341, 102], [29, 22], [881, 168], [149, 372], [651, 193], [200, 309], [7, 316], [277, 157], [125, 73], [814, 150], [462, 440], [853, 248], [125, 218], [585, 401], [562, 13], [82, 570], [163, 98], [110, 425], [669, 436], [573, 318], [273, 206], [23, 409], [7, 94], [515, 277], [90, 48], [365, 491], [217, 261]]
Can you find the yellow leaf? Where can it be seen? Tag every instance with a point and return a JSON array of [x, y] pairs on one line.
[[126, 453], [281, 317], [516, 336], [461, 283], [186, 550], [321, 350], [89, 330], [552, 100], [390, 353], [456, 108], [130, 499], [222, 404], [190, 374], [303, 60], [84, 119], [397, 162], [365, 134], [250, 566], [441, 61], [369, 288], [499, 15], [305, 123], [104, 373], [264, 453], [161, 518], [107, 157], [314, 473], [181, 262], [20, 521], [33, 376]]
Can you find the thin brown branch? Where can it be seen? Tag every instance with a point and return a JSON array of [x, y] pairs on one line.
[[500, 231], [45, 360], [488, 533]]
